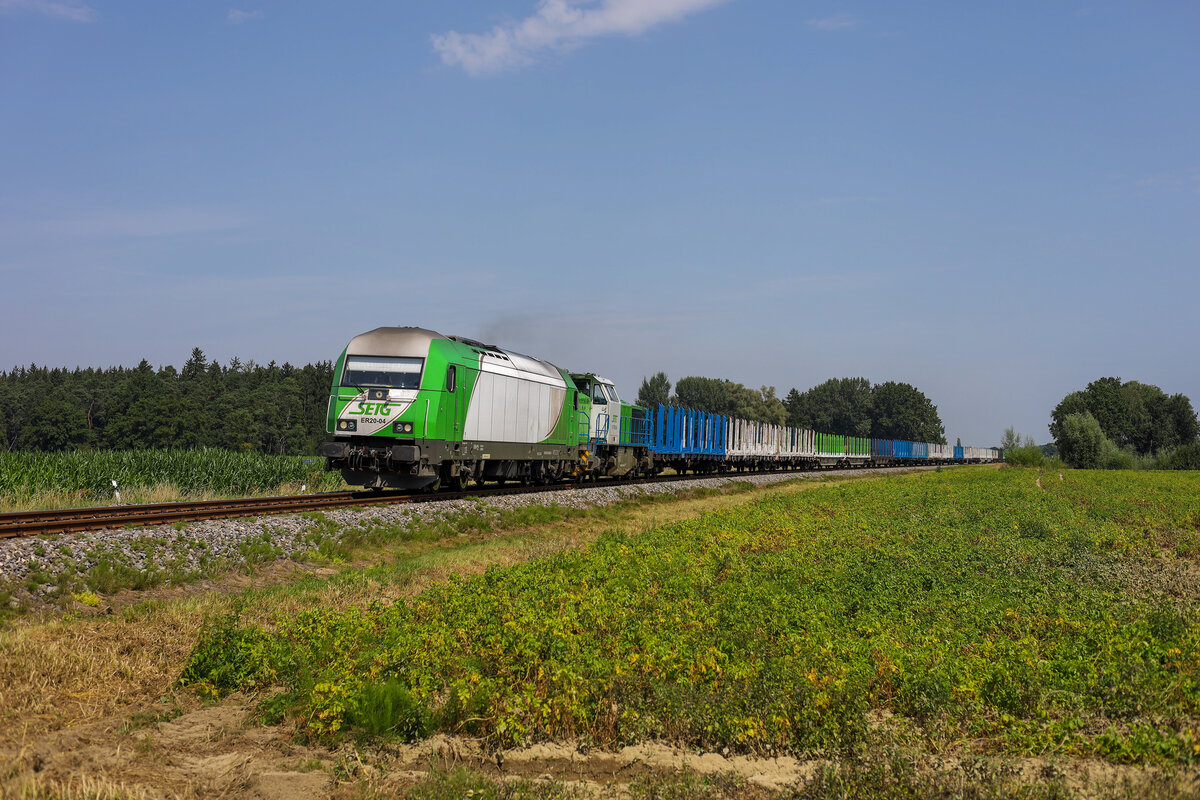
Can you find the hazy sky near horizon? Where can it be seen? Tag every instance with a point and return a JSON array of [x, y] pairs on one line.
[[996, 202]]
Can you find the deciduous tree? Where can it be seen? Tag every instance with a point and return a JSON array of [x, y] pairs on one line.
[[901, 411], [702, 394], [1136, 416], [1081, 441], [654, 391]]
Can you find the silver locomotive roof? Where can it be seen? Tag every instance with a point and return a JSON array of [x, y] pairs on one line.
[[414, 342], [396, 341]]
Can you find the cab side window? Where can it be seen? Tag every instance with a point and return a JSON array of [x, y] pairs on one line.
[[451, 378], [598, 394]]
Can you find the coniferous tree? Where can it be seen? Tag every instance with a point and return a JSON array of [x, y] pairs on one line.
[[283, 407]]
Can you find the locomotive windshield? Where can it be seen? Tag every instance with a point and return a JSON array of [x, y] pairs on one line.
[[392, 372]]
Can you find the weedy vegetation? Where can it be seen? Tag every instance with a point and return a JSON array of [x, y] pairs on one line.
[[966, 609]]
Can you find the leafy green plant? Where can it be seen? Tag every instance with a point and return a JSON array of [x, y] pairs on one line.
[[228, 658], [87, 598]]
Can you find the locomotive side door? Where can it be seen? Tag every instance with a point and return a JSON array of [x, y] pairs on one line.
[[614, 414], [449, 421], [601, 413], [465, 379]]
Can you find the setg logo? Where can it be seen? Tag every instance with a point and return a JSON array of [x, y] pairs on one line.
[[372, 409]]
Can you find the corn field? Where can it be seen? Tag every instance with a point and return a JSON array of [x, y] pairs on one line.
[[190, 471]]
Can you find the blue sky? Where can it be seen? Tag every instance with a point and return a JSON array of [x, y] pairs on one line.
[[996, 202]]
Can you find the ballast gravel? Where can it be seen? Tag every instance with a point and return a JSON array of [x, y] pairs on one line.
[[39, 564]]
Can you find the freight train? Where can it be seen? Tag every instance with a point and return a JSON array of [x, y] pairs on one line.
[[412, 409]]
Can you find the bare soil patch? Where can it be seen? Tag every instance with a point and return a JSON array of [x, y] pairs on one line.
[[221, 751]]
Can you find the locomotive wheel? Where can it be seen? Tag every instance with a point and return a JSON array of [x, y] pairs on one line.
[[461, 482], [433, 487]]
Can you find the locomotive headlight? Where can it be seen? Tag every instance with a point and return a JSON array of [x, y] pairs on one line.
[[402, 427], [347, 425]]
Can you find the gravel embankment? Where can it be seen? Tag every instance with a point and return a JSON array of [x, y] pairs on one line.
[[206, 546]]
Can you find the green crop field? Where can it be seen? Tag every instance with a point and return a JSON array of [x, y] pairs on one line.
[[968, 610], [90, 473]]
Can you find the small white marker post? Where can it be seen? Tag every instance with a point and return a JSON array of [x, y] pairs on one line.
[[116, 493]]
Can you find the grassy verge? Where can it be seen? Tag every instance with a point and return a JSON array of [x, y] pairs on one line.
[[971, 609], [61, 570], [52, 499]]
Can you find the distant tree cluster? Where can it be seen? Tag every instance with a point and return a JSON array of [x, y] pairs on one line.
[[851, 406], [714, 395], [1134, 416], [1117, 425], [249, 407], [854, 406]]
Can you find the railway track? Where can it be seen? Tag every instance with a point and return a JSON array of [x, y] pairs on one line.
[[74, 520]]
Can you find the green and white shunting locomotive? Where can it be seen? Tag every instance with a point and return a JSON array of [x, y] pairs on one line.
[[410, 408]]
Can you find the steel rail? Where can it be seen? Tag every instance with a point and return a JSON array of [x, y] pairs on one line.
[[74, 520]]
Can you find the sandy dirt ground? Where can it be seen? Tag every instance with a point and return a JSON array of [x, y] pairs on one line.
[[222, 751]]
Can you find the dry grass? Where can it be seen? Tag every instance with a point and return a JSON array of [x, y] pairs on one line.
[[64, 672], [83, 787]]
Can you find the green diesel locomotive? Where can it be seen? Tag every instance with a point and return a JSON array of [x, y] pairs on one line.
[[412, 409]]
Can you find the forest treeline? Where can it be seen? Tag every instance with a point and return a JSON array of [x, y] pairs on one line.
[[272, 408], [849, 406]]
